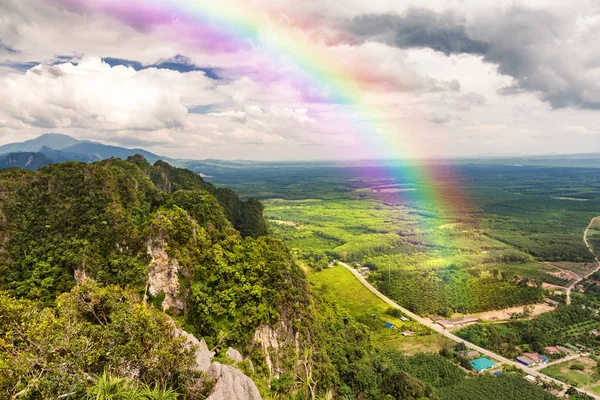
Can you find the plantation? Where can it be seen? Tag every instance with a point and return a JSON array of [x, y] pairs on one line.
[[484, 255]]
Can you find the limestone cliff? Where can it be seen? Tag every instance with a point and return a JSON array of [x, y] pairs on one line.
[[163, 276], [274, 341]]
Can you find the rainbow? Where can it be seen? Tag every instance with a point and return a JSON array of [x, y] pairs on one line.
[[231, 26]]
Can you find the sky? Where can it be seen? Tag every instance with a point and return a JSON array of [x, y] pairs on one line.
[[312, 79]]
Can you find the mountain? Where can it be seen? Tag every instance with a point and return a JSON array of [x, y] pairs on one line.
[[57, 147], [106, 260], [104, 151], [26, 160], [54, 141]]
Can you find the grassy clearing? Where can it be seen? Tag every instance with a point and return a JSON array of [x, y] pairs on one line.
[[362, 304], [563, 372]]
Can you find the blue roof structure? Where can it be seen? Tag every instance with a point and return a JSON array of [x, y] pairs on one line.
[[481, 364], [388, 325]]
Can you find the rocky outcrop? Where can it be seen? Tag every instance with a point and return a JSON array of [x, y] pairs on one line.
[[203, 355], [231, 384], [234, 355], [163, 276], [272, 341]]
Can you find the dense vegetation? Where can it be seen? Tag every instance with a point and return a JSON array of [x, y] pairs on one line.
[[98, 221], [54, 352], [566, 324]]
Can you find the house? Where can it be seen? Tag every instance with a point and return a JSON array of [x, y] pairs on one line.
[[445, 323], [365, 270], [408, 333], [498, 373], [551, 350], [404, 319], [436, 318], [389, 325], [528, 362], [551, 302], [537, 358], [482, 364], [457, 322], [530, 378], [468, 320], [565, 350]]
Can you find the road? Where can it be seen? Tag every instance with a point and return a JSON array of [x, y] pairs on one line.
[[438, 328], [589, 246], [568, 358]]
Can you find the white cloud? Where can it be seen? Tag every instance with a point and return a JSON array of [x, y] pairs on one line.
[[268, 106]]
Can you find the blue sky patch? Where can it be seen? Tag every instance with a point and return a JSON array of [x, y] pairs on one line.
[[178, 63]]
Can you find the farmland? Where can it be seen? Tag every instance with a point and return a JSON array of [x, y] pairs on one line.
[[581, 372], [368, 309], [520, 227]]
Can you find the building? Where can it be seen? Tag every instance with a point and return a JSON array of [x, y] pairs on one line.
[[530, 378], [408, 333], [457, 322], [526, 361], [436, 318], [404, 319], [482, 364], [537, 358], [570, 346], [563, 349], [389, 325], [551, 350]]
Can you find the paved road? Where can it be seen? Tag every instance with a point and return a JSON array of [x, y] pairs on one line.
[[449, 335]]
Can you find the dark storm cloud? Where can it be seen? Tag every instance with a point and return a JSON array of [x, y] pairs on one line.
[[417, 28], [534, 47]]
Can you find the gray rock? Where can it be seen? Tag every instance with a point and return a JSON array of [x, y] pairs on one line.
[[235, 355], [231, 384], [203, 355]]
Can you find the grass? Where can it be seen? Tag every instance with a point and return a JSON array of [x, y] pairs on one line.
[[594, 389], [362, 304], [563, 373]]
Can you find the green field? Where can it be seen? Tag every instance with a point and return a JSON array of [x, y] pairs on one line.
[[370, 310], [564, 372]]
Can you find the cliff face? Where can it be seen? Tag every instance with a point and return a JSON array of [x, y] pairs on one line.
[[163, 279]]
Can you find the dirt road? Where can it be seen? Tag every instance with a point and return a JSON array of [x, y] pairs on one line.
[[589, 246]]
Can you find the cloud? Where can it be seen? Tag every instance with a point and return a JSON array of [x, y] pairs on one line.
[[94, 95], [416, 29], [549, 52]]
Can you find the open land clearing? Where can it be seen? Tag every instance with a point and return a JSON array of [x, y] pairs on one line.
[[567, 373], [505, 314]]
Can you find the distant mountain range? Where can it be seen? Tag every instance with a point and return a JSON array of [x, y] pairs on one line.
[[52, 148]]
